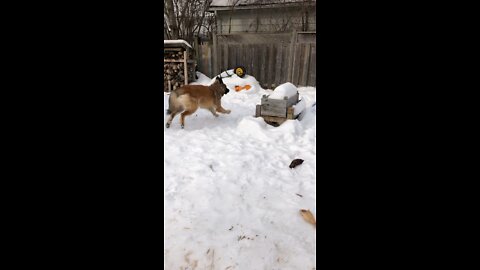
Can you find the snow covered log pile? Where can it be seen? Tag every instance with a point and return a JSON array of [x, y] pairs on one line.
[[178, 66]]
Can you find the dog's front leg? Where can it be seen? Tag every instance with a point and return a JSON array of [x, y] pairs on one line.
[[222, 110]]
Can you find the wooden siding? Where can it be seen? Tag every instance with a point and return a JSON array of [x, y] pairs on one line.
[[263, 20]]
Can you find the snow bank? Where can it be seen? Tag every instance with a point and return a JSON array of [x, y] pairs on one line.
[[284, 90], [202, 79], [231, 82], [230, 198], [254, 128], [234, 80], [299, 107]]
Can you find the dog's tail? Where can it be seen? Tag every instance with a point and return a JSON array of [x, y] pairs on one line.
[[173, 104]]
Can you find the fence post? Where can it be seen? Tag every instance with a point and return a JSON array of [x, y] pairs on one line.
[[215, 55], [291, 68]]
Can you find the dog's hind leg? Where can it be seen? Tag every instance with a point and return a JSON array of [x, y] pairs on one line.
[[170, 119], [182, 117]]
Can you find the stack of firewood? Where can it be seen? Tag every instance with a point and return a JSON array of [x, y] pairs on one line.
[[174, 72]]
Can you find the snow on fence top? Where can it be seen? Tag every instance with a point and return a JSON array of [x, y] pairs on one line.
[[284, 90], [177, 41], [229, 3]]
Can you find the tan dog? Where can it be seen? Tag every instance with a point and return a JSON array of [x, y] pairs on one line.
[[188, 98]]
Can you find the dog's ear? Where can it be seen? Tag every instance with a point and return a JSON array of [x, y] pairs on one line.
[[219, 79]]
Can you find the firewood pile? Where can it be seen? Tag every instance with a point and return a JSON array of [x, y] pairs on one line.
[[174, 69]]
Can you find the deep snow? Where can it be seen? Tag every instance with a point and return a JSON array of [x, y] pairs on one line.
[[231, 200]]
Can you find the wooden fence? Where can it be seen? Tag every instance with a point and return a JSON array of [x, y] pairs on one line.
[[204, 58], [272, 59]]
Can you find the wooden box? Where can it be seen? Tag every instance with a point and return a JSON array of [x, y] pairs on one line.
[[276, 111]]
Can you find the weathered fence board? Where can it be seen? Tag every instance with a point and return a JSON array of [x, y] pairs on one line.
[[313, 66]]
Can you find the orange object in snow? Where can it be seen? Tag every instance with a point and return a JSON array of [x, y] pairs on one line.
[[240, 88]]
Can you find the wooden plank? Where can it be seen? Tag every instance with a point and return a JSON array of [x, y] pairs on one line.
[[243, 58], [215, 53], [225, 58], [178, 61], [306, 64], [263, 59], [210, 63], [173, 49], [246, 57], [274, 109], [228, 55], [313, 67], [290, 112], [250, 55], [291, 58], [241, 55], [236, 48], [298, 66], [258, 110], [278, 65], [271, 66], [256, 62], [231, 57], [221, 56], [285, 57], [206, 67], [299, 63], [295, 67]]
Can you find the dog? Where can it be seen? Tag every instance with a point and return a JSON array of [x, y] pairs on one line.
[[188, 98]]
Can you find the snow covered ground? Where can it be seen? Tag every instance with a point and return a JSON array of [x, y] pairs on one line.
[[231, 200]]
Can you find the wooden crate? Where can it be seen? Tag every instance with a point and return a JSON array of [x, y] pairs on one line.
[[276, 111]]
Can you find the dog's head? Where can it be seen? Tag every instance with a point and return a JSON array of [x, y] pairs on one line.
[[222, 85]]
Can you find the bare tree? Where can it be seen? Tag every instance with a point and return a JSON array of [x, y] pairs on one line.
[[187, 18], [170, 20]]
